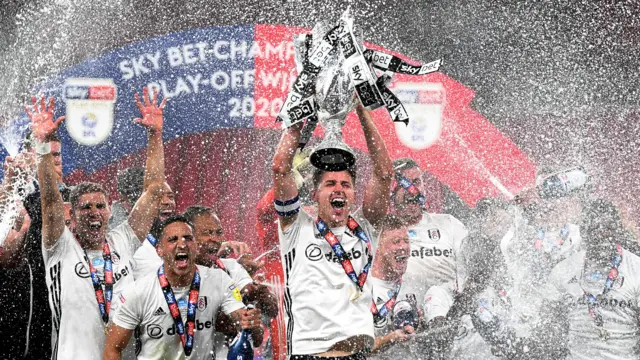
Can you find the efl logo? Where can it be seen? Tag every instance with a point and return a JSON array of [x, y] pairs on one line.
[[90, 104], [425, 104]]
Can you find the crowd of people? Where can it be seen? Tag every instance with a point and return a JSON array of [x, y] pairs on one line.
[[550, 274]]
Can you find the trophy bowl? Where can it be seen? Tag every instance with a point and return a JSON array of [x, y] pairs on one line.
[[334, 99]]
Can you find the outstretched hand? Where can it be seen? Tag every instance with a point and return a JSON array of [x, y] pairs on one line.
[[152, 118], [42, 124]]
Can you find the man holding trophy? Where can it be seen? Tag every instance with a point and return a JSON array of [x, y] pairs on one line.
[[327, 259]]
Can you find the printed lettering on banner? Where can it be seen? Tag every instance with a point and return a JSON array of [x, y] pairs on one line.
[[90, 104], [424, 104]]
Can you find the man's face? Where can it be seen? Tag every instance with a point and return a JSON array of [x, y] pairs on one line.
[[178, 248], [406, 205], [91, 216], [209, 236], [167, 204], [56, 151], [68, 221], [394, 249], [335, 195]]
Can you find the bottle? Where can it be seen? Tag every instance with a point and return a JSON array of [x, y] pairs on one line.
[[563, 183], [241, 348]]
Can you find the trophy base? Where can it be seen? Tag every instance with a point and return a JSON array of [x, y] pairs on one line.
[[332, 159]]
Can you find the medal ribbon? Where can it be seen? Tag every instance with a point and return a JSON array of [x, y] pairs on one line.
[[539, 243], [187, 339], [386, 308], [103, 296], [219, 264], [152, 240], [338, 250], [592, 301], [411, 188]]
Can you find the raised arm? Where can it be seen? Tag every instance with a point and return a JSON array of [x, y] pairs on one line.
[[376, 196], [152, 119], [43, 127], [284, 186], [146, 208]]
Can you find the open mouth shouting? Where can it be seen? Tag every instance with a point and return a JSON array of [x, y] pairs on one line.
[[182, 260], [401, 260], [95, 225], [338, 205], [165, 214]]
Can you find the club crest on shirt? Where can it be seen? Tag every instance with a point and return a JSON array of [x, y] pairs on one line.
[[202, 303], [434, 234], [115, 257]]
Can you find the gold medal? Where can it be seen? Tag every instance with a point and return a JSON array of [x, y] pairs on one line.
[[355, 294], [106, 330]]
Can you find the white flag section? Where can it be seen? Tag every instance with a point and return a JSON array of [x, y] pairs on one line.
[[90, 104], [424, 103]]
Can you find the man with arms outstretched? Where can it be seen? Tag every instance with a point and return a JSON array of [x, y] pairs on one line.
[[86, 269]]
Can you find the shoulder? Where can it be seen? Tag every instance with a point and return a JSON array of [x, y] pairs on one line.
[[567, 268]]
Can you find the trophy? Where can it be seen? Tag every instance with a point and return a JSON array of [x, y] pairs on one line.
[[333, 66], [333, 99]]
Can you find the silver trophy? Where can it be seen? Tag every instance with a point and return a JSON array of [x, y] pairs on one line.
[[334, 99]]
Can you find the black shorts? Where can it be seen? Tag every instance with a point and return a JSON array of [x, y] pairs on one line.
[[358, 356]]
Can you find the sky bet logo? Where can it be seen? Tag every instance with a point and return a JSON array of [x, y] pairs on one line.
[[95, 92], [429, 252]]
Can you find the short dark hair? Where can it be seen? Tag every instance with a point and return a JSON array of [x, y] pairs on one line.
[[131, 183], [193, 211], [392, 222], [170, 220], [402, 164], [84, 188], [317, 175]]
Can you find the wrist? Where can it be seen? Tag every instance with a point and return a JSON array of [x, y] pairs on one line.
[[42, 148]]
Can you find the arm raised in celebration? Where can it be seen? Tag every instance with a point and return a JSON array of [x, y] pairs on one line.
[[146, 208], [376, 196], [43, 127], [284, 185]]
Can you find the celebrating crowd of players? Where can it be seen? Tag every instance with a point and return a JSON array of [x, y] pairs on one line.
[[549, 275]]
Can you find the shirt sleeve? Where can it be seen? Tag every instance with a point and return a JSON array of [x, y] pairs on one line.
[[369, 229], [124, 234], [128, 314], [437, 302], [231, 297], [289, 237], [238, 274], [57, 250]]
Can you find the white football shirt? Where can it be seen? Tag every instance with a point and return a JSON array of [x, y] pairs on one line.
[[319, 310], [619, 307], [78, 329], [436, 256], [143, 304]]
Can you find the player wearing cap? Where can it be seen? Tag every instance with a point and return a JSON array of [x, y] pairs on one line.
[[89, 267], [327, 259], [175, 308]]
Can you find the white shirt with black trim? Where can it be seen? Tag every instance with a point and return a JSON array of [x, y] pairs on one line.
[[143, 304], [318, 309], [619, 307], [436, 255], [78, 329]]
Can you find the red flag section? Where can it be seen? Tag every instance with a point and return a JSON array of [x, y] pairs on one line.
[[470, 155]]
